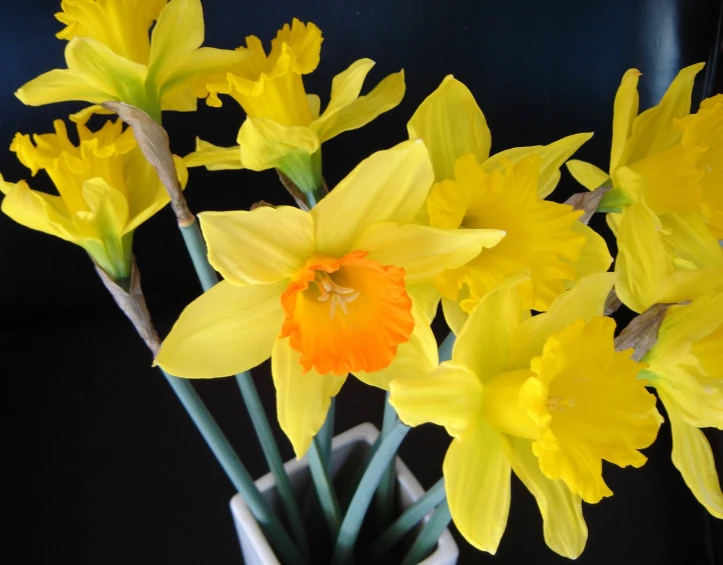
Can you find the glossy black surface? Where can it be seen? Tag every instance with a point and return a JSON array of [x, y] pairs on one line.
[[103, 466]]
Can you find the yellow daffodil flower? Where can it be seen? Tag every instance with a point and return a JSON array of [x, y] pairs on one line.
[[284, 128], [685, 365], [106, 190], [110, 57], [506, 191], [547, 397], [666, 158], [324, 293]]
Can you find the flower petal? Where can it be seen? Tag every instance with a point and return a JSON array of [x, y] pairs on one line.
[[484, 342], [426, 297], [415, 358], [345, 115], [102, 69], [454, 315], [624, 112], [693, 457], [266, 144], [36, 210], [451, 124], [201, 65], [583, 301], [213, 157], [227, 330], [389, 186], [60, 85], [450, 396], [477, 481], [302, 399], [587, 174], [552, 157], [261, 246], [654, 130], [642, 262], [594, 255], [178, 32], [424, 252], [562, 521]]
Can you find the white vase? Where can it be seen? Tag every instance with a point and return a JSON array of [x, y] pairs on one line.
[[353, 443]]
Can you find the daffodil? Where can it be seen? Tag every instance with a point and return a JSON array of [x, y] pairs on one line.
[[665, 158], [506, 191], [685, 365], [110, 57], [547, 397], [284, 128], [324, 293], [106, 190]]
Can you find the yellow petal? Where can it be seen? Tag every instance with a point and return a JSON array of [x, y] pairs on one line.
[[198, 67], [654, 130], [587, 174], [302, 399], [451, 124], [36, 210], [693, 457], [424, 252], [227, 330], [304, 41], [144, 191], [583, 301], [348, 115], [625, 110], [415, 358], [477, 481], [346, 86], [60, 85], [454, 315], [688, 240], [261, 246], [552, 157], [642, 262], [213, 157], [450, 396], [389, 186], [266, 144], [178, 32], [594, 255], [484, 342], [689, 284], [102, 69], [563, 524], [426, 297]]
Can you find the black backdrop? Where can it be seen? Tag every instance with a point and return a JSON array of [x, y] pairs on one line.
[[102, 464]]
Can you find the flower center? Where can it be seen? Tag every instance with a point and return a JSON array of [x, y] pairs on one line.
[[348, 314]]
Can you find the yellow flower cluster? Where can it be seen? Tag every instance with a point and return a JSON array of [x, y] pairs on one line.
[[535, 385]]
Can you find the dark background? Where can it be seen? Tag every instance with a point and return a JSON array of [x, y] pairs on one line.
[[102, 464]]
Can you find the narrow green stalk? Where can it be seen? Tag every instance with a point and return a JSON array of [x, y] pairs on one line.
[[354, 517], [325, 435], [324, 488], [196, 247], [350, 489], [411, 517], [197, 250], [273, 458], [235, 470], [429, 535], [445, 348], [384, 503]]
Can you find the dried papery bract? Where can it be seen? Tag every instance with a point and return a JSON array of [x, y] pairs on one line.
[[153, 141], [588, 202], [128, 295], [642, 332]]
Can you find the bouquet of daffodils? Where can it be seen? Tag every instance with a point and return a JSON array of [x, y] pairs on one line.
[[346, 282]]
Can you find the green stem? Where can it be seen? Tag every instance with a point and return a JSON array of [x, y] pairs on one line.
[[384, 502], [196, 247], [197, 250], [354, 517], [235, 470], [429, 535], [351, 488], [411, 517], [445, 348], [324, 488], [273, 458], [325, 436]]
